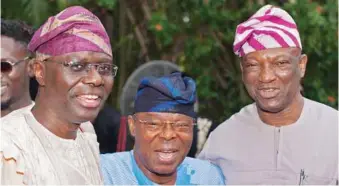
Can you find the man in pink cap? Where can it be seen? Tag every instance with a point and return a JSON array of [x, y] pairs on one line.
[[282, 138], [54, 143]]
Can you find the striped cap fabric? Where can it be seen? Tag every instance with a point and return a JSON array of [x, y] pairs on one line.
[[269, 27], [174, 93], [74, 29]]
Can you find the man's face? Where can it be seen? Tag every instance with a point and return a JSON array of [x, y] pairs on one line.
[[160, 150], [75, 93], [272, 76], [14, 83]]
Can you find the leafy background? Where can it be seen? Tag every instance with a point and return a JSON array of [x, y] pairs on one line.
[[198, 35]]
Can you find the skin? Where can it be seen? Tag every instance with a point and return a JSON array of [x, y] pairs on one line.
[[272, 78], [57, 106], [148, 144], [15, 84]]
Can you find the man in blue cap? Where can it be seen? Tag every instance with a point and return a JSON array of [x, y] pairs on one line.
[[162, 125]]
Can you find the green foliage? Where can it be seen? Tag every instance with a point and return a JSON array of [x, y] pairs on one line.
[[32, 11], [162, 28], [109, 4]]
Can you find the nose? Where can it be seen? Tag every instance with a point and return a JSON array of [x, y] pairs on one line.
[[168, 132], [93, 77], [267, 74]]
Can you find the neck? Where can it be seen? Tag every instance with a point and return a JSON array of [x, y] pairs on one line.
[[169, 179], [285, 117], [24, 101], [54, 122]]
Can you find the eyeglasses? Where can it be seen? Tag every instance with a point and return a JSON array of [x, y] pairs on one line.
[[7, 66], [158, 125], [82, 68]]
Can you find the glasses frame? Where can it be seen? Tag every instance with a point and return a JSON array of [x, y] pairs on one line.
[[88, 66], [163, 124], [14, 63]]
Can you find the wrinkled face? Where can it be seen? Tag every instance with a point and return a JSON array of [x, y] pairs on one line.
[[75, 92], [272, 76], [162, 140], [15, 82]]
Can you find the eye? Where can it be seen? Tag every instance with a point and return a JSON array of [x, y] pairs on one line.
[[282, 62], [77, 67], [251, 64], [153, 124], [105, 69], [182, 125]]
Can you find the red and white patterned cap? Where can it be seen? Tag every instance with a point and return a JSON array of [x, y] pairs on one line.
[[269, 27]]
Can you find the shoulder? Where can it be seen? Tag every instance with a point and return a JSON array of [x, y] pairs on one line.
[[320, 109], [202, 166], [116, 168], [204, 172], [238, 121], [14, 126], [19, 111], [117, 157], [115, 163], [321, 116]]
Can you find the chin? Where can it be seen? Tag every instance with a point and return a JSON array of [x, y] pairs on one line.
[[87, 116], [270, 106], [165, 169]]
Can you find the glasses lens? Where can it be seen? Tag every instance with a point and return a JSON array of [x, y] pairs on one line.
[[6, 67]]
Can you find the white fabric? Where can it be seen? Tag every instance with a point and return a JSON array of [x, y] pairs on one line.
[[19, 111], [31, 154], [251, 152]]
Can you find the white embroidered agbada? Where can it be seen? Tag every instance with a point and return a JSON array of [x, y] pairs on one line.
[[32, 155]]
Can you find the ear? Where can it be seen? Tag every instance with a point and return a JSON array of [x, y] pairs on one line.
[[39, 71], [131, 125], [302, 65], [30, 68]]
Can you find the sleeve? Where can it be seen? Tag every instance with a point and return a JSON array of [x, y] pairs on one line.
[[105, 170], [9, 174], [12, 164]]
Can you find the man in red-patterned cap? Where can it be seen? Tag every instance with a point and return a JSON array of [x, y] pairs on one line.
[[55, 143], [282, 138]]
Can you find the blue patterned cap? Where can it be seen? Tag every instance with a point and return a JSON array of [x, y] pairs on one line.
[[175, 93]]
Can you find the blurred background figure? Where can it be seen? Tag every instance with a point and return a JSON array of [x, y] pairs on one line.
[[15, 68]]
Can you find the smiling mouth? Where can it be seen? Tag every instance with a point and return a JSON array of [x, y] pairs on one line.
[[89, 100], [268, 93], [167, 156]]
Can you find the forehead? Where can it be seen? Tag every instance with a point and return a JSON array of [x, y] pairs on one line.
[[162, 115], [273, 53], [85, 56]]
